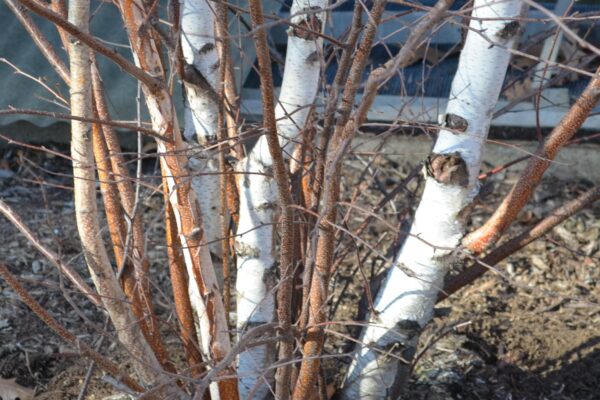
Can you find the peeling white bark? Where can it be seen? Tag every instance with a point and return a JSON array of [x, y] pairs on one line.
[[254, 246], [204, 290], [201, 110], [406, 299]]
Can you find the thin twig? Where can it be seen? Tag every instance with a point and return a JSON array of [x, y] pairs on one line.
[[45, 12], [73, 276], [68, 117], [70, 338]]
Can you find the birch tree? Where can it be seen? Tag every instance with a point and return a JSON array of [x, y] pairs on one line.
[[405, 302], [255, 246], [272, 333]]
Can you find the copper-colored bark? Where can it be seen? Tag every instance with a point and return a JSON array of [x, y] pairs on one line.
[[347, 126], [136, 289], [60, 7], [230, 99], [110, 195], [135, 279], [331, 176], [484, 237]]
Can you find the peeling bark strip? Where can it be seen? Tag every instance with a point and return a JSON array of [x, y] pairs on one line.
[[410, 290], [484, 237], [203, 288], [181, 296]]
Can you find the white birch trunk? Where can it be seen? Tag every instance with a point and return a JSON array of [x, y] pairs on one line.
[[255, 269], [301, 75], [405, 302], [255, 284], [201, 110]]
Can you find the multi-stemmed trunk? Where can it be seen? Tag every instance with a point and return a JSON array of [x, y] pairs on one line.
[[204, 291], [405, 302]]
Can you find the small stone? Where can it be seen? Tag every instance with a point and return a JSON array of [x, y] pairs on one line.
[[36, 267], [510, 269], [6, 174], [538, 263]]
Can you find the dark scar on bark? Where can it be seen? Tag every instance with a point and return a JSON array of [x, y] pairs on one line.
[[313, 57], [509, 30], [448, 169], [206, 48], [308, 28], [455, 122]]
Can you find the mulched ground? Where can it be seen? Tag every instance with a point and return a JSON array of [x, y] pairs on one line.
[[530, 334]]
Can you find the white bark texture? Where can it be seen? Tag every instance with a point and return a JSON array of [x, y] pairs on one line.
[[86, 212], [300, 78], [201, 109], [405, 302], [255, 284]]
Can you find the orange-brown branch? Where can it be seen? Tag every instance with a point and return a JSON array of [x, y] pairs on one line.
[[484, 237], [541, 228], [286, 251], [183, 201], [309, 369]]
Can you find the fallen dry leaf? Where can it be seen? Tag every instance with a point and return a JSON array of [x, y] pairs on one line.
[[10, 390]]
